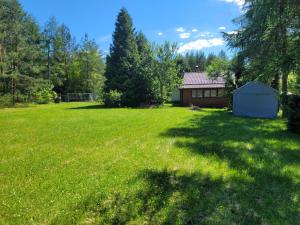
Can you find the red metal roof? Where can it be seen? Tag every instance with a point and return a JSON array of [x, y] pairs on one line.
[[201, 80]]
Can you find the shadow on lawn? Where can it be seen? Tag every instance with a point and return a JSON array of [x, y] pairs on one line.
[[260, 192], [90, 107]]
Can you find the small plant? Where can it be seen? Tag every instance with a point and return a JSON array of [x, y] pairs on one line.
[[194, 107], [113, 98], [6, 100], [57, 99], [45, 95]]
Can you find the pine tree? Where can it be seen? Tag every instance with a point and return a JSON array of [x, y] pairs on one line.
[[141, 83], [123, 59], [20, 48], [91, 66], [49, 35]]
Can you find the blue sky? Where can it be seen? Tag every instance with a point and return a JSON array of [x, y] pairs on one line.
[[193, 24]]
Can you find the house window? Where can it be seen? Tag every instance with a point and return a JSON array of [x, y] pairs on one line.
[[207, 93], [194, 93], [197, 93], [213, 93]]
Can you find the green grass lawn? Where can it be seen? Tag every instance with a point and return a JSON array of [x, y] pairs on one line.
[[81, 164]]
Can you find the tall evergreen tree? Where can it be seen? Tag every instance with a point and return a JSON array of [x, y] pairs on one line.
[[20, 48], [210, 58], [142, 81], [49, 35], [91, 66], [123, 58]]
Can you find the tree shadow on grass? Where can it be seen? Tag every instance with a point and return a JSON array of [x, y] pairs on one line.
[[262, 150], [107, 107], [89, 107], [170, 197], [265, 189]]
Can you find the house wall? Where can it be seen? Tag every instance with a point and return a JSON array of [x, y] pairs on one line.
[[187, 100], [176, 95]]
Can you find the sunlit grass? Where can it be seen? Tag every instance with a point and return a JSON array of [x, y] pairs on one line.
[[83, 164]]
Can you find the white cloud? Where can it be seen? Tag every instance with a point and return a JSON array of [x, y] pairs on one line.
[[238, 2], [180, 29], [160, 33], [194, 30], [200, 44], [184, 35], [232, 32], [204, 34], [222, 28]]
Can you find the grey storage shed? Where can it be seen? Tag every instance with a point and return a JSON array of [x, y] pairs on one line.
[[255, 99]]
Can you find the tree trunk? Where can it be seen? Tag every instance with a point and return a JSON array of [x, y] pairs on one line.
[[284, 93], [48, 61], [275, 82], [13, 91], [161, 90]]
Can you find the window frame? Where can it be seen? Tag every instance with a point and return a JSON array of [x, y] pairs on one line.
[[196, 91], [202, 90], [216, 90], [223, 92]]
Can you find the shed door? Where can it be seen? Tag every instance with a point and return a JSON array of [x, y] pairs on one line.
[[257, 105]]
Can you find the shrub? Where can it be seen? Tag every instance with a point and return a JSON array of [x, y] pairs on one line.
[[45, 95], [113, 99], [57, 99], [294, 113], [6, 100]]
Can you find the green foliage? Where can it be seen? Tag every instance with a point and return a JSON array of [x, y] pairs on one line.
[[210, 58], [294, 83], [44, 95], [141, 85], [30, 58], [123, 59], [222, 67], [141, 73], [73, 67], [294, 113], [113, 98], [6, 100], [268, 40], [20, 49], [219, 67], [194, 61], [166, 71]]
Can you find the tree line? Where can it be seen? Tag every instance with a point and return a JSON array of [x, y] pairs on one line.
[[36, 62]]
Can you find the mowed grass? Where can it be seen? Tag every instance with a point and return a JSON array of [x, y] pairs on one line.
[[79, 163]]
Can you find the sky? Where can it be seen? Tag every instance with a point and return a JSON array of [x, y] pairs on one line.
[[193, 24]]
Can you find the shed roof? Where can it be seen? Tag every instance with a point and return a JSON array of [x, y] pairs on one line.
[[256, 87], [201, 80]]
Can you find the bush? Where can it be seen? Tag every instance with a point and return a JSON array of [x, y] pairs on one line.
[[57, 99], [113, 99], [6, 100], [44, 95], [294, 113]]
